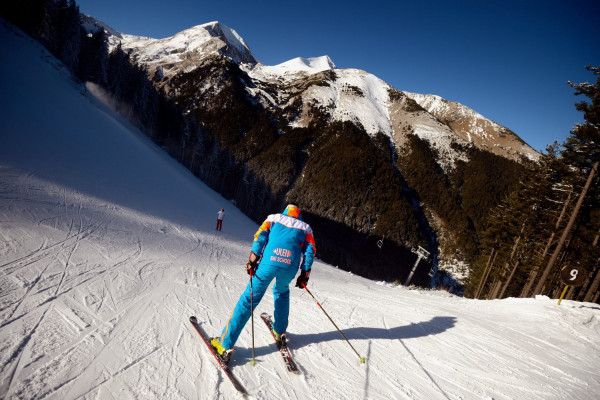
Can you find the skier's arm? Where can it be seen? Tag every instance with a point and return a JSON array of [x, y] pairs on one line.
[[261, 237], [310, 249]]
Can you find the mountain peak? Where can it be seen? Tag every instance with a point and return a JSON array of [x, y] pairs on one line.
[[312, 65], [238, 49], [185, 49], [295, 68], [91, 25]]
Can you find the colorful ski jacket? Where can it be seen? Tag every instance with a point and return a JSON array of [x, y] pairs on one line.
[[284, 240]]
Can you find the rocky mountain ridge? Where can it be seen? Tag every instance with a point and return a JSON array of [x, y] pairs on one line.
[[351, 94]]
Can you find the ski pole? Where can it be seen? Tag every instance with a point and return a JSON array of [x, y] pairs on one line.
[[253, 362], [361, 360]]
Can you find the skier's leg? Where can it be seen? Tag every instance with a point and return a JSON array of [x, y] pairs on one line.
[[281, 294], [260, 282]]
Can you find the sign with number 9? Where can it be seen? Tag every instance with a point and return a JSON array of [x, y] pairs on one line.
[[574, 276]]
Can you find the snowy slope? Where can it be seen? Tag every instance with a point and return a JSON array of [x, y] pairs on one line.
[[107, 246]]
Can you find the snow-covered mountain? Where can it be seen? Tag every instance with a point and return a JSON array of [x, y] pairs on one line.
[[349, 94], [185, 50], [359, 97], [107, 246]]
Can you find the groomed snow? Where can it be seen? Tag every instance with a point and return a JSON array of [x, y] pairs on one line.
[[107, 246]]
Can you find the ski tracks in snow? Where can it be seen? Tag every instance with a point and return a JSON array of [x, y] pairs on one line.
[[69, 294], [95, 300]]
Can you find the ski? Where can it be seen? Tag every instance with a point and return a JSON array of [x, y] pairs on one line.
[[283, 349], [238, 386]]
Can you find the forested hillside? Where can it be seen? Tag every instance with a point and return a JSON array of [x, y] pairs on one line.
[[543, 239]]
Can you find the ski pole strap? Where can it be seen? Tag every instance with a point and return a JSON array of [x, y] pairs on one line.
[[361, 359]]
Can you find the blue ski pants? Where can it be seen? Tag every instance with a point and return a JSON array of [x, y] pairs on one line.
[[261, 280]]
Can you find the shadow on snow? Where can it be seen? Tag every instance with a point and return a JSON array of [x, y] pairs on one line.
[[415, 330]]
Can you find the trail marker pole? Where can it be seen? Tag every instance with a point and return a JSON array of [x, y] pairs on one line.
[[563, 294]]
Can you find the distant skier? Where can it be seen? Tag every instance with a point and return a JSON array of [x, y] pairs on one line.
[[285, 243], [220, 216]]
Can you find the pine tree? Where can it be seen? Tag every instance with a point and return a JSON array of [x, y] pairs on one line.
[[93, 58], [68, 33]]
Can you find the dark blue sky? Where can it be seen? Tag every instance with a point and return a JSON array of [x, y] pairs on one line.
[[508, 60]]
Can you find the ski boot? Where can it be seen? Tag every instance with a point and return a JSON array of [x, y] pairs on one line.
[[280, 339], [223, 353]]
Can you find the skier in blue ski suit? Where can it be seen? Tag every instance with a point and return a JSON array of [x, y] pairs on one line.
[[285, 243]]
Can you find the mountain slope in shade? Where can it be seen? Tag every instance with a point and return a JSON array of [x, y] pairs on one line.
[[108, 246]]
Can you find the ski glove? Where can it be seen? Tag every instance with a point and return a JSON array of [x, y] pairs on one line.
[[251, 267], [302, 279], [252, 264]]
